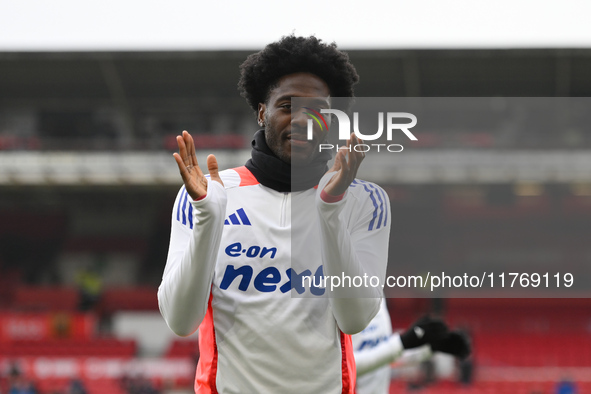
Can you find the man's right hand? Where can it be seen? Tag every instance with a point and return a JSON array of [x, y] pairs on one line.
[[195, 181]]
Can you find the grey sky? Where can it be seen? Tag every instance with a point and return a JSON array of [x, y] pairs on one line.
[[233, 24]]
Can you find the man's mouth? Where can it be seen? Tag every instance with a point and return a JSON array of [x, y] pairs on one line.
[[298, 139]]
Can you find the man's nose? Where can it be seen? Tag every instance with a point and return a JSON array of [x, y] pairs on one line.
[[299, 118]]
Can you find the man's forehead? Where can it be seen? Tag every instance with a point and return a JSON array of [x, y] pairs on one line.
[[300, 101], [301, 85], [302, 97]]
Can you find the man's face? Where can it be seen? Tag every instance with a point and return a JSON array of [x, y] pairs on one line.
[[286, 128]]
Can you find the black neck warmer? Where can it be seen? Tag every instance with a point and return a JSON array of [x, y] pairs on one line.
[[274, 173]]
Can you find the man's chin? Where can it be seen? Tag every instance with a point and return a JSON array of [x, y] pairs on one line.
[[301, 157]]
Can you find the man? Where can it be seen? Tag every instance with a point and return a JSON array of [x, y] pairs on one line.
[[237, 257], [376, 348]]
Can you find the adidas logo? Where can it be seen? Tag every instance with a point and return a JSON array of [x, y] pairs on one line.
[[238, 218]]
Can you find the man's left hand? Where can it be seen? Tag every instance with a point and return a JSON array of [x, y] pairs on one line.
[[347, 162], [456, 343]]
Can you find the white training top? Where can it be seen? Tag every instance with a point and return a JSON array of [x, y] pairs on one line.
[[231, 272]]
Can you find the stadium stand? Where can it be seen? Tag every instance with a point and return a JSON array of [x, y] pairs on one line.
[[42, 298], [183, 348], [91, 347], [128, 298], [100, 215]]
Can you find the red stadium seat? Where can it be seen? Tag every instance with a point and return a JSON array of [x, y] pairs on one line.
[[183, 348], [102, 347], [45, 298], [125, 298], [485, 387]]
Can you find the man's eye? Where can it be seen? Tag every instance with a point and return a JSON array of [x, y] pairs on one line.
[[285, 106]]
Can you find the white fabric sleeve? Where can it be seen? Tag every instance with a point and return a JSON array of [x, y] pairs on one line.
[[384, 353], [351, 249], [183, 294], [387, 352], [414, 356]]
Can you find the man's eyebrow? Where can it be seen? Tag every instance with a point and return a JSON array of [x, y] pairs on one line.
[[307, 100], [318, 102], [285, 97]]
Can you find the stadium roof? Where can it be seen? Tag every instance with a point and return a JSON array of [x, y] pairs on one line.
[[185, 82], [180, 78]]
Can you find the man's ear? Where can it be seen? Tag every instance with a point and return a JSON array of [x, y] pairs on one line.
[[261, 114]]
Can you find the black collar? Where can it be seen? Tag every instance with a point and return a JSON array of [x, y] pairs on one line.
[[274, 173]]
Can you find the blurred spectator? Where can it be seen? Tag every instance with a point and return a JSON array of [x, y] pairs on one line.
[[77, 387], [90, 284], [466, 370], [61, 325], [18, 384], [426, 376], [138, 385], [13, 371], [566, 386], [466, 365]]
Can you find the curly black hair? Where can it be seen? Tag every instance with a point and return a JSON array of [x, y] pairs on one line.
[[261, 71]]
